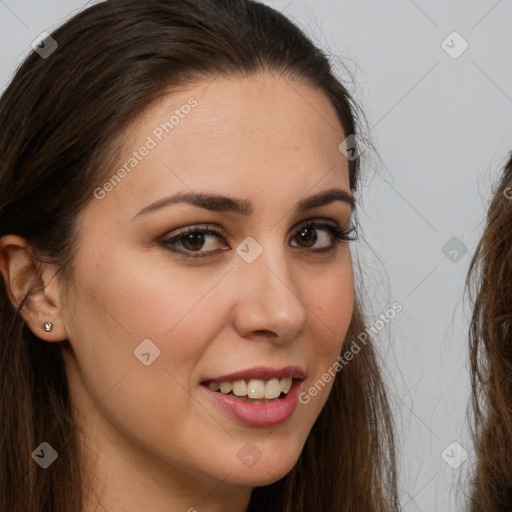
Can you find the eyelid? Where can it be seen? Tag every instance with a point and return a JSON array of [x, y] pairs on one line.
[[339, 234], [195, 227], [213, 227]]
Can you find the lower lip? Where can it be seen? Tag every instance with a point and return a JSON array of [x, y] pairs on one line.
[[258, 415]]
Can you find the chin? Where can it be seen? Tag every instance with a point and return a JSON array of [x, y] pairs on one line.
[[265, 471]]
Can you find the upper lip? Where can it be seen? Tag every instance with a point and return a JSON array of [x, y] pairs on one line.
[[261, 372]]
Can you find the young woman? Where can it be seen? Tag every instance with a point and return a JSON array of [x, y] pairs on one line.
[[490, 281], [175, 217]]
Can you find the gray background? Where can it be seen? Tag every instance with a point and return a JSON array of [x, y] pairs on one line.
[[442, 129]]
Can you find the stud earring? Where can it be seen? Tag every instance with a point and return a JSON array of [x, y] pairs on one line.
[[48, 326]]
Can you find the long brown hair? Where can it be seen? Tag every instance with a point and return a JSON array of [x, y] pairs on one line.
[[61, 119], [490, 282]]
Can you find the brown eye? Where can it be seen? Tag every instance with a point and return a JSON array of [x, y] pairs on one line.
[[308, 235], [193, 240], [331, 236]]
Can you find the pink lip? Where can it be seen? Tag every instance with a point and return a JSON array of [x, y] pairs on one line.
[[258, 415], [261, 372]]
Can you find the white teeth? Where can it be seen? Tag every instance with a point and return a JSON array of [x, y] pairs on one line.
[[286, 384], [272, 388], [226, 387], [254, 388], [240, 388]]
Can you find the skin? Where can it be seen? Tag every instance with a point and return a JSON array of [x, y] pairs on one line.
[[151, 438]]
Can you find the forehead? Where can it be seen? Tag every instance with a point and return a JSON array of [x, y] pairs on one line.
[[261, 134]]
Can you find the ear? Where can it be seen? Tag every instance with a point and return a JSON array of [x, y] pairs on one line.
[[24, 275]]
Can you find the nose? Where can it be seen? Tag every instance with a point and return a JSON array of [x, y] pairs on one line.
[[269, 297]]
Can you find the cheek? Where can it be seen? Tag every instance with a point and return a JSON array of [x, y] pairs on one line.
[[331, 304], [331, 309], [119, 304], [141, 300], [117, 307]]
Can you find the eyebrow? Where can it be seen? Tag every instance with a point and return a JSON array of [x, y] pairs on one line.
[[220, 203]]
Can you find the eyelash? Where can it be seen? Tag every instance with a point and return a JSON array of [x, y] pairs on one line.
[[340, 237]]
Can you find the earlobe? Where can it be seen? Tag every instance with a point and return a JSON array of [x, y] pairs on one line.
[[29, 287]]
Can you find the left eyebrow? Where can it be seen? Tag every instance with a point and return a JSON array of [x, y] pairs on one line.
[[220, 203]]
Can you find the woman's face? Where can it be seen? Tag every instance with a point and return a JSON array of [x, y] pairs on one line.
[[155, 315]]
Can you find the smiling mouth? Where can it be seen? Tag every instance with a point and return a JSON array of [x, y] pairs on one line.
[[254, 391]]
